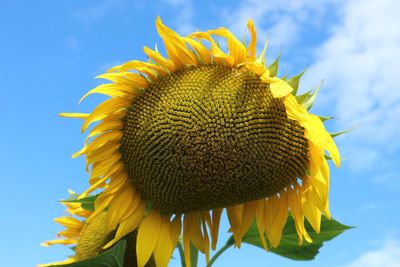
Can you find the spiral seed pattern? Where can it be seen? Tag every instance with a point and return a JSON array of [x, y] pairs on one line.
[[210, 137]]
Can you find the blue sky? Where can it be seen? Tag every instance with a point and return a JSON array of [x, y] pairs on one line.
[[52, 50]]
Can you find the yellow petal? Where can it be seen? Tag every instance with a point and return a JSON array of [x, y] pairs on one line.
[[70, 233], [219, 56], [165, 246], [200, 49], [323, 138], [100, 204], [315, 129], [216, 217], [249, 212], [104, 126], [98, 142], [260, 222], [175, 229], [159, 59], [115, 68], [121, 207], [113, 90], [116, 168], [206, 242], [195, 231], [251, 49], [69, 222], [236, 48], [60, 242], [147, 238], [74, 115], [276, 213], [102, 168], [102, 153], [279, 88], [108, 163], [130, 224], [105, 109], [67, 261], [186, 238], [311, 211], [235, 218], [104, 199], [150, 69], [126, 78], [141, 66], [205, 216], [257, 68], [117, 183], [296, 209], [175, 46]]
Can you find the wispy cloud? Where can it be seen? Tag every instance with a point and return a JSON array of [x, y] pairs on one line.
[[72, 42], [183, 12], [361, 61], [359, 56], [100, 10], [285, 19], [387, 256]]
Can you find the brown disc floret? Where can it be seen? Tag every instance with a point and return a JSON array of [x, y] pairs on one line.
[[210, 137]]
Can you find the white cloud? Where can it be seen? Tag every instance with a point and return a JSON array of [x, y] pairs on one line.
[[359, 60], [361, 63], [99, 10], [387, 256], [183, 15], [72, 42], [285, 19]]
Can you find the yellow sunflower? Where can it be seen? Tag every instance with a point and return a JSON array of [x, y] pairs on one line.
[[73, 221], [186, 136], [87, 238]]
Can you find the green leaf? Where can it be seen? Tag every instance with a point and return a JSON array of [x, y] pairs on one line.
[[86, 202], [303, 97], [113, 257], [273, 68], [261, 57], [325, 118], [294, 81], [345, 131], [289, 246], [307, 99]]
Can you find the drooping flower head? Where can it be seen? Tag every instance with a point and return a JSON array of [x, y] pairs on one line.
[[184, 137], [76, 231], [87, 239]]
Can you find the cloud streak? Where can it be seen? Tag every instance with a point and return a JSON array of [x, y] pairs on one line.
[[360, 61], [183, 15], [359, 58], [285, 19], [102, 9], [388, 256]]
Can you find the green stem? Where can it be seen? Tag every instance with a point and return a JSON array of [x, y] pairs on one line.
[[194, 255], [219, 252], [181, 254]]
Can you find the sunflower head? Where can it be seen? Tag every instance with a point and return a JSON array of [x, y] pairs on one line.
[[87, 238], [185, 136], [75, 227]]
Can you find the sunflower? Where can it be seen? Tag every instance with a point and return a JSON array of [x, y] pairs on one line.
[[186, 136], [87, 238], [74, 222]]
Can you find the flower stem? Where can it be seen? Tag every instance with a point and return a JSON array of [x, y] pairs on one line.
[[194, 255], [181, 253], [219, 252]]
